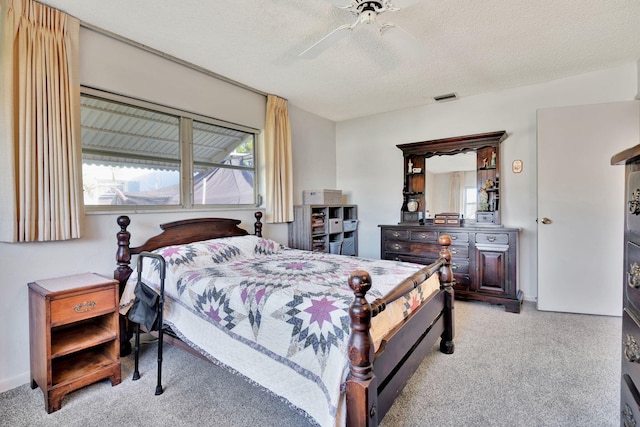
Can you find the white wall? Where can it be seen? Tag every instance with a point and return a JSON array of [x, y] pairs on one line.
[[370, 164], [314, 158], [111, 65]]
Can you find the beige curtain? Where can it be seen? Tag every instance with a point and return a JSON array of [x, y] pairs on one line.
[[40, 157], [279, 169], [455, 191]]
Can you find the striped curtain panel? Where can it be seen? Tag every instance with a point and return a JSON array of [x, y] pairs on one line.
[[279, 163], [40, 143]]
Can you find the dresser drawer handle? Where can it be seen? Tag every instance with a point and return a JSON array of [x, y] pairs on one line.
[[631, 349], [453, 237], [627, 413], [396, 246], [491, 238], [423, 236], [453, 251], [633, 276], [84, 307], [395, 234], [634, 203], [454, 267]]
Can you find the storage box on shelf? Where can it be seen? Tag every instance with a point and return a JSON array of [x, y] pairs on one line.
[[322, 197], [325, 228]]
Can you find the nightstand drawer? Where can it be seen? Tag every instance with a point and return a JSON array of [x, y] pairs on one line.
[[83, 306]]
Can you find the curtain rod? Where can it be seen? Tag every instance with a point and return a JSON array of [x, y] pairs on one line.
[[169, 57]]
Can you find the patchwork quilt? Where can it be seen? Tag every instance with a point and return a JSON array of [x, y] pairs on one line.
[[275, 315]]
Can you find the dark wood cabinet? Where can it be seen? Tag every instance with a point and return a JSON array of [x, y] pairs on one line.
[[483, 260], [630, 345]]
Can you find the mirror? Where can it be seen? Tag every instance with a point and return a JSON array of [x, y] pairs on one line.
[[469, 164], [450, 184]]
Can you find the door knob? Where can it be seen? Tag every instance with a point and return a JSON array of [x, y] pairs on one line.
[[546, 220]]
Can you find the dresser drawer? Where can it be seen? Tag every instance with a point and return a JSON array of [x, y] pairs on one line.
[[396, 234], [423, 236], [79, 307], [460, 266], [492, 238], [408, 258], [456, 238], [459, 252]]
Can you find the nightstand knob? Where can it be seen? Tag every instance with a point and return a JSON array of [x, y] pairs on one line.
[[84, 307]]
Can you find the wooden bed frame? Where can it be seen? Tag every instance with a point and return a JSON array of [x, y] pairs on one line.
[[375, 379]]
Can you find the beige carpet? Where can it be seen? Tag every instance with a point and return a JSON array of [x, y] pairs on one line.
[[528, 369]]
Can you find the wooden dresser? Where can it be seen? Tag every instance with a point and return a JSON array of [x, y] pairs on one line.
[[73, 334], [483, 258], [630, 381]]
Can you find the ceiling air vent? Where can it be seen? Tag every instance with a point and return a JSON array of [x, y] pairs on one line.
[[447, 97]]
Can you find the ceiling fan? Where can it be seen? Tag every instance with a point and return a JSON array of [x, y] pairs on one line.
[[366, 12]]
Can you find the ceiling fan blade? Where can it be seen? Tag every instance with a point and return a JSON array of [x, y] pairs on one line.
[[402, 40], [324, 43], [402, 4], [340, 3]]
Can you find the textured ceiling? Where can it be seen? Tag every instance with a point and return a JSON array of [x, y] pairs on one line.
[[470, 46]]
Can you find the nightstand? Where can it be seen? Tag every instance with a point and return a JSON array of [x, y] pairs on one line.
[[73, 334]]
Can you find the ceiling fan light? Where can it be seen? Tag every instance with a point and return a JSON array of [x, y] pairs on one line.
[[368, 17]]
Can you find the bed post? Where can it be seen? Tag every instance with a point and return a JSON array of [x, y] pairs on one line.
[[362, 387], [446, 284], [121, 274], [258, 225]]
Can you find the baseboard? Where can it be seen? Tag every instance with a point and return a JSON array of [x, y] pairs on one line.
[[11, 383]]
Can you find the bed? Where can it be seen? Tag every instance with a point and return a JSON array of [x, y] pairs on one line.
[[336, 337]]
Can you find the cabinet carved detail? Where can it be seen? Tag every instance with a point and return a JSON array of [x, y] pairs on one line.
[[633, 276], [634, 203]]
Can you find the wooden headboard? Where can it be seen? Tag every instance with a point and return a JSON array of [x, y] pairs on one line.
[[175, 233]]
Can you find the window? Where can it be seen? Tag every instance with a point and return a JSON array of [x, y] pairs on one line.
[[470, 202], [136, 153]]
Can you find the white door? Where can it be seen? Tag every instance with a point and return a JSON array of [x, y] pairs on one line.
[[580, 205]]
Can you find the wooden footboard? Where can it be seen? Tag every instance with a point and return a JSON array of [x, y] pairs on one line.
[[376, 379]]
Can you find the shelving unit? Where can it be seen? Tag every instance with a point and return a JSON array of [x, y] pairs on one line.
[[325, 228], [489, 181], [74, 334]]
